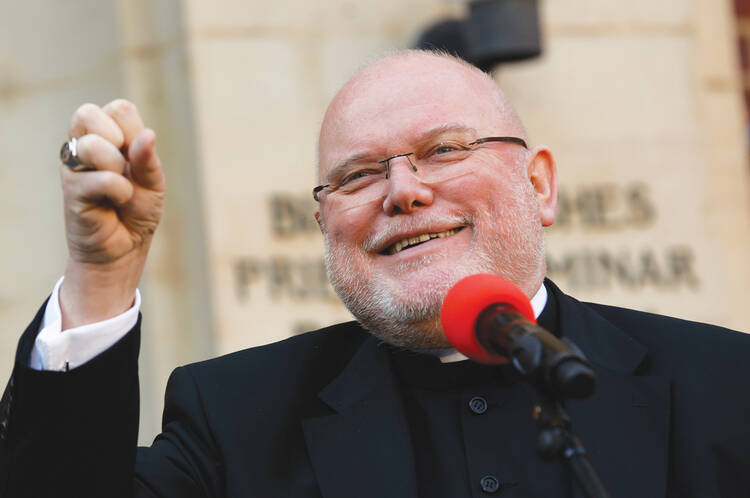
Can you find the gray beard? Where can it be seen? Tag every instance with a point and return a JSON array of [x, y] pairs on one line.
[[411, 324]]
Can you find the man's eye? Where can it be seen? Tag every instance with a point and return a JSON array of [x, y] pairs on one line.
[[444, 149], [356, 176]]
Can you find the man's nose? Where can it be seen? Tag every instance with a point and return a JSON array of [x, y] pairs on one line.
[[406, 192]]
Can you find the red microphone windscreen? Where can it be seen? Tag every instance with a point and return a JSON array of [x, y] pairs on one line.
[[466, 300]]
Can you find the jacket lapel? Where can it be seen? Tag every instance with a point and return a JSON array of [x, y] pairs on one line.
[[624, 426], [364, 448]]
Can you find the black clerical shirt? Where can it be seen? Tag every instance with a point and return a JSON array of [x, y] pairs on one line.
[[472, 429]]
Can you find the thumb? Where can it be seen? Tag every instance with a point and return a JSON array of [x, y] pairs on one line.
[[145, 165]]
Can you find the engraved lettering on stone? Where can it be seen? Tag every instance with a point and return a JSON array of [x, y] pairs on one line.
[[668, 268], [605, 207], [298, 279], [291, 214]]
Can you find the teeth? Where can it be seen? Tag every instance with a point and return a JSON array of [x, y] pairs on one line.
[[402, 244]]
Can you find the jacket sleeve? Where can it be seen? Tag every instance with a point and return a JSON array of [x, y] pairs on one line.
[[70, 433], [184, 460], [75, 433]]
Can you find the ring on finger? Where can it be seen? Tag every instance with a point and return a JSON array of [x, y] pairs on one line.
[[69, 155]]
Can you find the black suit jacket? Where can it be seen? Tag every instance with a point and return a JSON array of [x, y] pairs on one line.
[[320, 415]]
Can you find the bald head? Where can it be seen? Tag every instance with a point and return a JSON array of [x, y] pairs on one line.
[[407, 79]]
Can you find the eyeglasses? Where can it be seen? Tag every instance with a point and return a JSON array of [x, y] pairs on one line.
[[363, 180]]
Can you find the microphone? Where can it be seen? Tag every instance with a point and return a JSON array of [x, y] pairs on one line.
[[490, 320]]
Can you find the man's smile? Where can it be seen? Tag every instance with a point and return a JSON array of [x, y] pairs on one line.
[[416, 240]]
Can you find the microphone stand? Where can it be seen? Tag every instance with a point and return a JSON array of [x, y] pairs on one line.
[[558, 370], [556, 440]]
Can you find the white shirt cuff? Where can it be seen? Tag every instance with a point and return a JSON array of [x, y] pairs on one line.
[[58, 350]]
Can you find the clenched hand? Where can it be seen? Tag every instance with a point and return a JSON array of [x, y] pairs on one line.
[[111, 211]]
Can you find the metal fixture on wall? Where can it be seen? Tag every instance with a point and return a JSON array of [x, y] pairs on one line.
[[495, 31]]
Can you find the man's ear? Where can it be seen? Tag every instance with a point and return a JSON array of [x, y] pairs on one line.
[[543, 177], [316, 213]]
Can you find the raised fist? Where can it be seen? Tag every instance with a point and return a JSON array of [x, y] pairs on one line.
[[112, 208]]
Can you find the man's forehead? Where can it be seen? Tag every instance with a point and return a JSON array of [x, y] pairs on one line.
[[400, 99], [406, 83]]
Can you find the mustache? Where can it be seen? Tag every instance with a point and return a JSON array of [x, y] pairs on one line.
[[423, 224]]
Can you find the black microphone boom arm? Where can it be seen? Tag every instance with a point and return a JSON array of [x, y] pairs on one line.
[[555, 365]]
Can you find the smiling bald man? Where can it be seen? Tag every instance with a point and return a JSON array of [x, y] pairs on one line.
[[426, 176], [483, 205]]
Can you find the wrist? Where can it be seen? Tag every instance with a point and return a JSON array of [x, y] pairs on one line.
[[94, 292]]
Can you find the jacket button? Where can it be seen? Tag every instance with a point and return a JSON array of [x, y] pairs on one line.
[[489, 484], [478, 405]]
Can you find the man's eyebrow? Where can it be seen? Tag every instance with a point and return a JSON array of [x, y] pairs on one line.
[[423, 137], [444, 129], [344, 165]]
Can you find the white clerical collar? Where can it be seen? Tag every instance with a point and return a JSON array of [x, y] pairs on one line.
[[537, 304]]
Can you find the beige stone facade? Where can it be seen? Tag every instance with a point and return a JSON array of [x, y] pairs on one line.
[[640, 101]]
